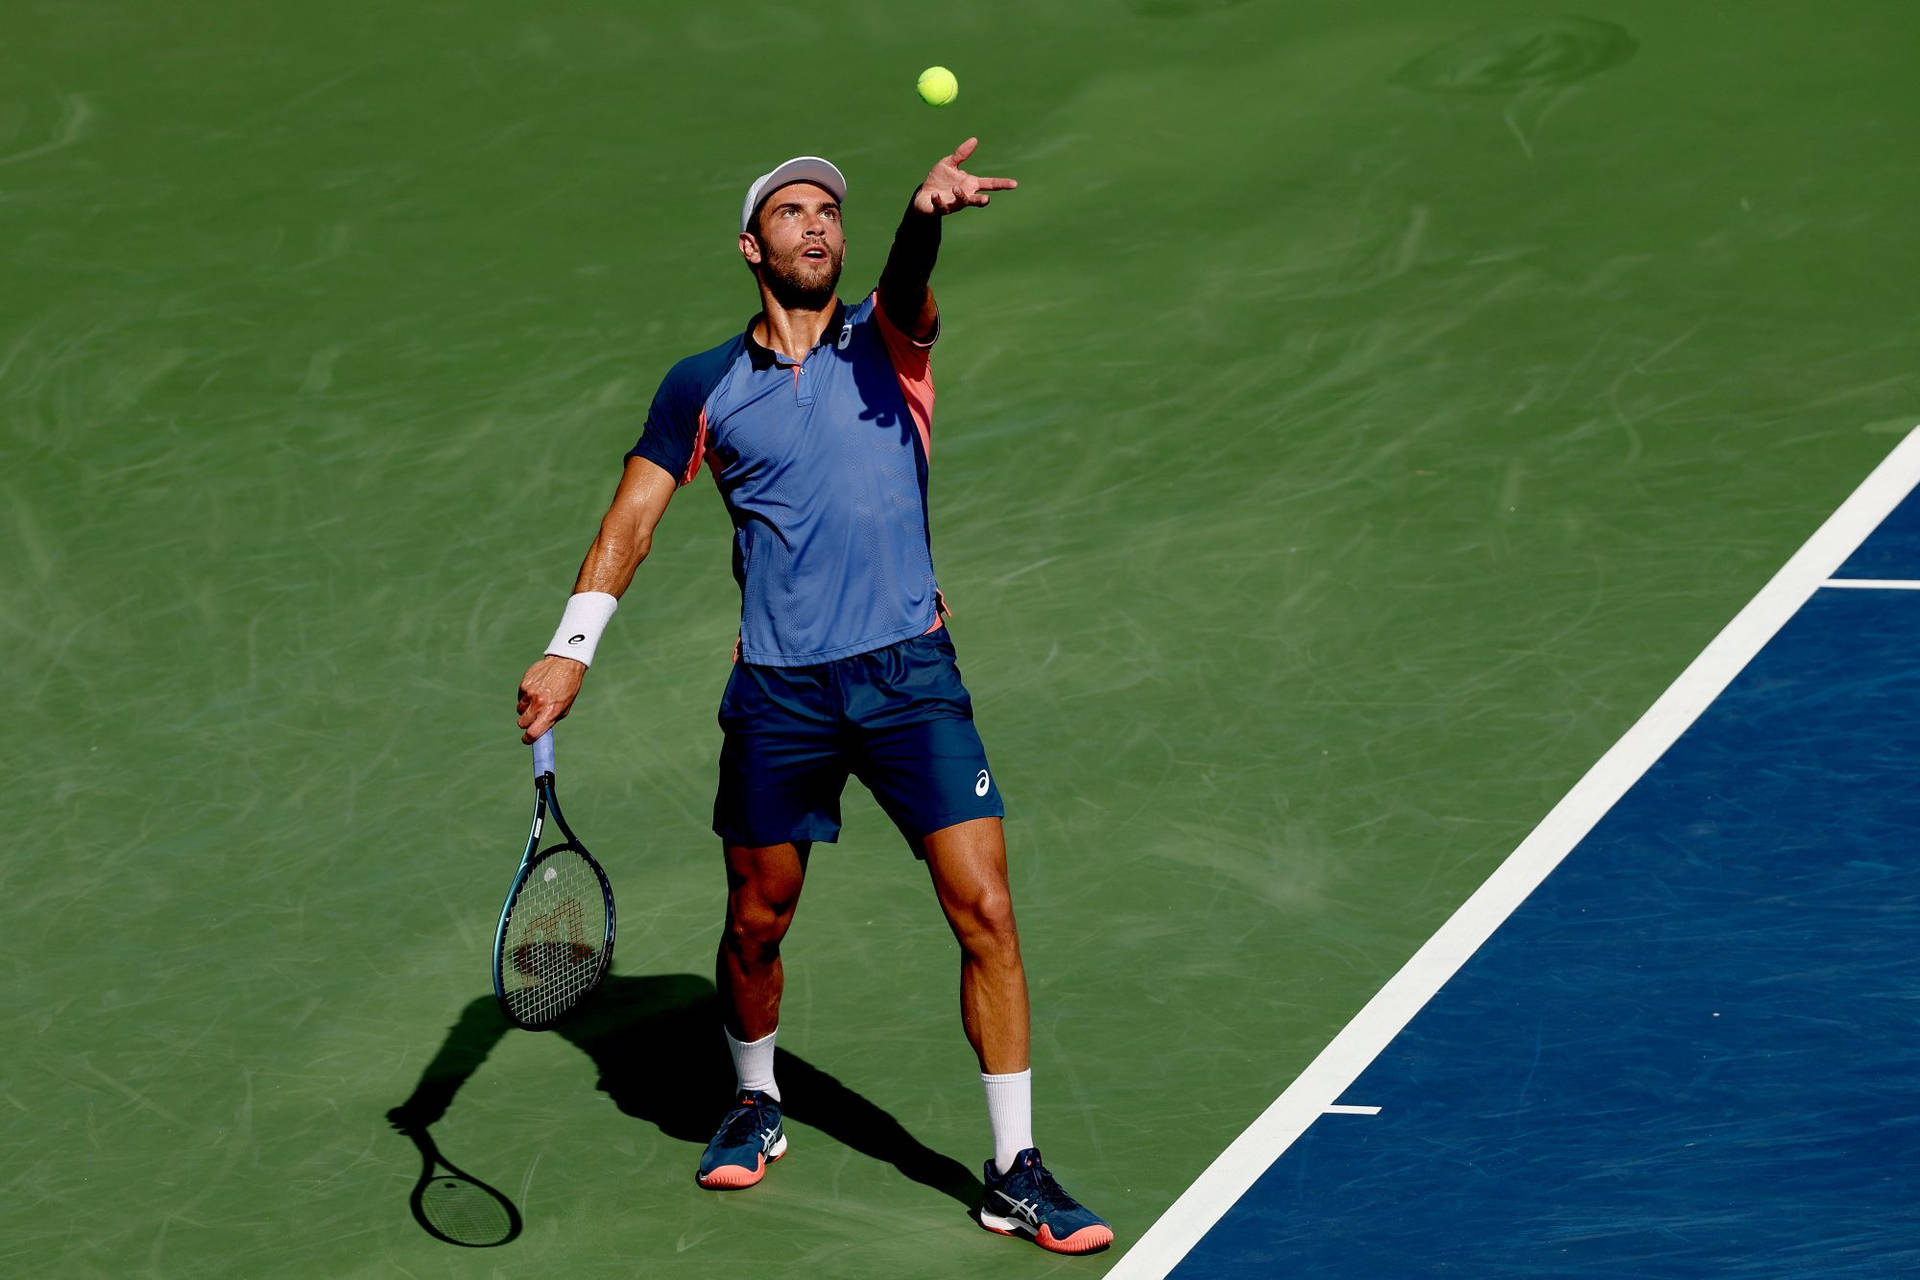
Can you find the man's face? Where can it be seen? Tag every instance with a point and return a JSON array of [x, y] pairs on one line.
[[800, 246]]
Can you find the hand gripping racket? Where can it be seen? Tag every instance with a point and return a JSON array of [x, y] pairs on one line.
[[555, 939]]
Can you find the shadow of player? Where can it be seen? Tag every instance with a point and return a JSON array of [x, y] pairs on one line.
[[656, 1042]]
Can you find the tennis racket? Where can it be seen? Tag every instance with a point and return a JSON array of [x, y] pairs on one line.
[[555, 938], [456, 1207]]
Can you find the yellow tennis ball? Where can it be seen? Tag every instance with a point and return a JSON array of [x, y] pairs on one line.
[[938, 86]]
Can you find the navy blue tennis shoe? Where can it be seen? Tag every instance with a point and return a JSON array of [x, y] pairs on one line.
[[750, 1138], [1026, 1201]]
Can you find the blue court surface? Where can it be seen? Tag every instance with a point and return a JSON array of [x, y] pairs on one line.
[[1691, 1050]]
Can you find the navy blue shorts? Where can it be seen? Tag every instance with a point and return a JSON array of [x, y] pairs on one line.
[[898, 719]]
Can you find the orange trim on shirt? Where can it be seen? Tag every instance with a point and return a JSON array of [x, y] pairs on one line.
[[913, 369], [699, 449]]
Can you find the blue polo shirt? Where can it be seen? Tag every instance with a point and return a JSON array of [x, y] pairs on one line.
[[823, 466]]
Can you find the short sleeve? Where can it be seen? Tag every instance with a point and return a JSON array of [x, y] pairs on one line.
[[675, 437], [912, 360], [911, 356]]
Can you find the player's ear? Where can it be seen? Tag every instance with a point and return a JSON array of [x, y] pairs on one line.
[[750, 248]]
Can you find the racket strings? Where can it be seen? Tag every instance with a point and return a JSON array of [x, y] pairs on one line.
[[551, 954]]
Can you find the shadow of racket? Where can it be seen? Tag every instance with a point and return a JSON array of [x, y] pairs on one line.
[[453, 1205]]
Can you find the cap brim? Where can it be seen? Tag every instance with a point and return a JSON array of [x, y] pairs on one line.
[[822, 173]]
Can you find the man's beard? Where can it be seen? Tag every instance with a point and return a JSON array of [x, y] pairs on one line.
[[796, 292]]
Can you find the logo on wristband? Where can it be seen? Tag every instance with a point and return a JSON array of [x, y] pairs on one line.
[[577, 639]]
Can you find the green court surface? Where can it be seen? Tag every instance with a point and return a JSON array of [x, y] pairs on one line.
[[1357, 417]]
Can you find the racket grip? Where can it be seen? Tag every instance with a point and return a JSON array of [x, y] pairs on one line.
[[543, 754]]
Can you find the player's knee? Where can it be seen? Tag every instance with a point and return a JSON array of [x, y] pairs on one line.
[[984, 925], [755, 927]]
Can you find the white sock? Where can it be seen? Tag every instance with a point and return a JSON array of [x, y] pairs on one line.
[[1010, 1112], [753, 1063]]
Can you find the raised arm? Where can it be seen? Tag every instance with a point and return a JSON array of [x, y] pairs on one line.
[[548, 689], [904, 288]]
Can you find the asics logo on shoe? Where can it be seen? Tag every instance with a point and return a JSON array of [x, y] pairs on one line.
[[750, 1138], [1028, 1210], [981, 783], [1041, 1211]]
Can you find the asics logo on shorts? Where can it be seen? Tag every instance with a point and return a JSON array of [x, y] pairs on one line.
[[981, 783]]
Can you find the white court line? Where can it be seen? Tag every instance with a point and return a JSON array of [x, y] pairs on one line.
[[1874, 584], [1338, 1109], [1314, 1090]]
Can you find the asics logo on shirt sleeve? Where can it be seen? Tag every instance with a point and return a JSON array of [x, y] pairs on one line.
[[981, 783]]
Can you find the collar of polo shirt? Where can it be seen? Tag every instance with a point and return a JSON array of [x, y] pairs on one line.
[[764, 356]]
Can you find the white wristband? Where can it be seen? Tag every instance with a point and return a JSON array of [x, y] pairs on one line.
[[587, 615]]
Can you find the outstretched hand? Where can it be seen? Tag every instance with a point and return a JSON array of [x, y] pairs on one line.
[[949, 188]]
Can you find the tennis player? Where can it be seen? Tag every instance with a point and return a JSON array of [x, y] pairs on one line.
[[816, 423]]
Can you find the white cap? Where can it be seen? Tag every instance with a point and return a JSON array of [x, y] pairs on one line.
[[799, 169]]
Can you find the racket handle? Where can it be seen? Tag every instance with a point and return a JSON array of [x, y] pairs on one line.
[[543, 754]]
